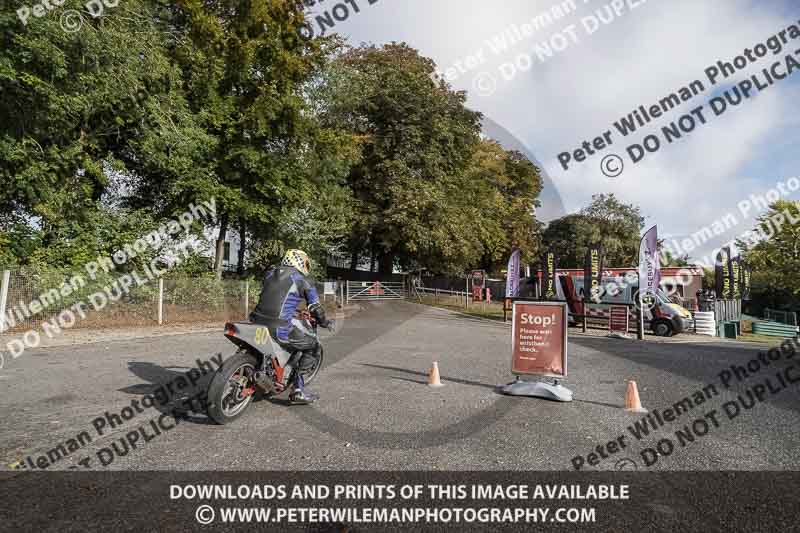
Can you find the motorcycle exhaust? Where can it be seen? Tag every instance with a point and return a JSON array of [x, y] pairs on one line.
[[264, 382]]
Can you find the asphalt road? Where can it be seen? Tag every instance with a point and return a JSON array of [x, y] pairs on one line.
[[377, 413]]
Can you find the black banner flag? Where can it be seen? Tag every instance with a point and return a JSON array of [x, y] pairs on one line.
[[549, 274], [593, 274], [723, 272]]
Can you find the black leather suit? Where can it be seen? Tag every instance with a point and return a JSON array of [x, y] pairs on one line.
[[283, 290]]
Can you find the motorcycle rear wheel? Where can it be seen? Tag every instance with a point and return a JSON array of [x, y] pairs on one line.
[[226, 401]]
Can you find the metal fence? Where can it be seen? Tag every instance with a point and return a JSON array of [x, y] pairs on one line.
[[724, 310], [187, 300], [29, 301], [375, 290], [784, 317], [727, 310], [444, 296]]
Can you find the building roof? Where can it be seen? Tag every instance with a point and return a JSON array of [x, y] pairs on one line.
[[613, 271]]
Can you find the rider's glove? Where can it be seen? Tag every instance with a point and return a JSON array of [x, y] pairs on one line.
[[318, 312]]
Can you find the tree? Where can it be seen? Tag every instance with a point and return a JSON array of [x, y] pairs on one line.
[[416, 137], [619, 226], [605, 220], [709, 279], [244, 68], [301, 143], [484, 213], [772, 249], [669, 260], [505, 187], [570, 237], [318, 227], [69, 105]]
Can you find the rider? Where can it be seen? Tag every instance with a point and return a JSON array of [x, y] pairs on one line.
[[284, 287]]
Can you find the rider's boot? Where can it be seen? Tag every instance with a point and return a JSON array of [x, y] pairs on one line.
[[299, 394]]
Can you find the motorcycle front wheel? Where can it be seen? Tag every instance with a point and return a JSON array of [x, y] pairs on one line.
[[230, 391], [310, 374]]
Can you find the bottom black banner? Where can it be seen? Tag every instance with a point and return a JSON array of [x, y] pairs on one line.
[[400, 501]]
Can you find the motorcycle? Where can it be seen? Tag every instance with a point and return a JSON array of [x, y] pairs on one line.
[[259, 364]]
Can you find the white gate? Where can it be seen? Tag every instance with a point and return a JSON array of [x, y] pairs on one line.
[[375, 290]]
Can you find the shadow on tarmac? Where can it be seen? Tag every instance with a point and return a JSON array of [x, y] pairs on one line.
[[693, 361], [423, 374], [165, 386]]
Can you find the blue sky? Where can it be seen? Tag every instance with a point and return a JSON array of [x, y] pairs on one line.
[[639, 57]]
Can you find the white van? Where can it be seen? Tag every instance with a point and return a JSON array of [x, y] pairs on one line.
[[664, 317]]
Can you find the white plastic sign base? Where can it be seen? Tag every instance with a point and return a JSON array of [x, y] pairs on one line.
[[538, 389]]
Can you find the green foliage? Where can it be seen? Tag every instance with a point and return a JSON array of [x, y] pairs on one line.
[[570, 237], [102, 232], [17, 241], [67, 102], [709, 279], [303, 143], [776, 258], [489, 210], [619, 227], [316, 227], [428, 194], [201, 290], [244, 66], [414, 138], [605, 220], [62, 288], [669, 260]]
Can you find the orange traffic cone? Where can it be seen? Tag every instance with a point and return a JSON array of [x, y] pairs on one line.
[[632, 402], [433, 376]]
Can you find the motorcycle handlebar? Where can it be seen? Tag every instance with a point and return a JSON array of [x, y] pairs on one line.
[[305, 315]]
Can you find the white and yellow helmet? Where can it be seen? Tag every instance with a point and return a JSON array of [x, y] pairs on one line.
[[297, 259]]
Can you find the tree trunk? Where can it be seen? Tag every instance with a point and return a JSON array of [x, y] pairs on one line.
[[223, 230], [242, 244], [354, 260], [386, 263]]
